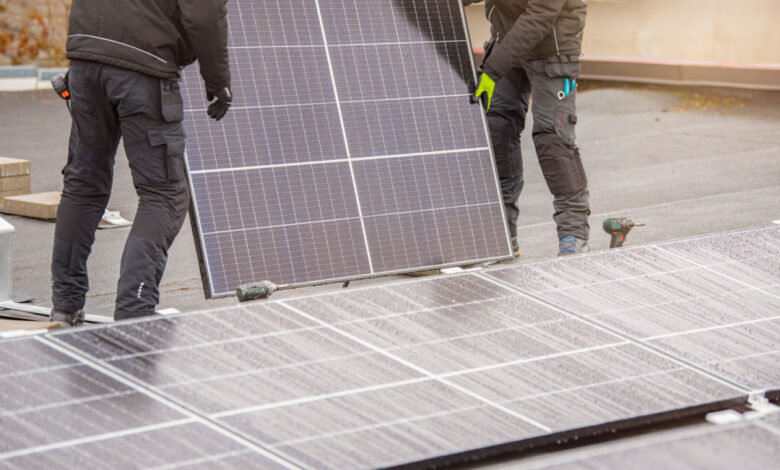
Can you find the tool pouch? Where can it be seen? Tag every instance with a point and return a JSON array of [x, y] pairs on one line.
[[171, 100]]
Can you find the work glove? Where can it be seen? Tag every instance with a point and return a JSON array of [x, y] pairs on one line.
[[219, 107], [486, 85]]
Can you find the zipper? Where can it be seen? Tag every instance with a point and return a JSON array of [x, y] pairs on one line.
[[555, 36], [490, 20], [117, 42]]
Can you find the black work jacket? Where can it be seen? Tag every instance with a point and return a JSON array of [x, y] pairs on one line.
[[155, 37], [532, 30]]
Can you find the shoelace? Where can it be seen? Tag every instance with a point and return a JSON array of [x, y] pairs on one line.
[[568, 244]]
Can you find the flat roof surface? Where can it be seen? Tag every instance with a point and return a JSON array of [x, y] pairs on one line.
[[680, 163]]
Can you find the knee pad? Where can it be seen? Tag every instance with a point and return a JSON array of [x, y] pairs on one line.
[[505, 137], [561, 164], [161, 211]]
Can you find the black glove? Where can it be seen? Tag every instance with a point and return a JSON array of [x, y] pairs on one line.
[[220, 106]]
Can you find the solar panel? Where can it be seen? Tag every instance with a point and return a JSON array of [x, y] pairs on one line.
[[416, 372], [59, 411], [351, 150], [403, 373], [706, 300], [713, 447]]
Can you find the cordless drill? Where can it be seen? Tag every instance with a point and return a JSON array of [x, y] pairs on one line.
[[255, 291], [60, 85], [619, 229]]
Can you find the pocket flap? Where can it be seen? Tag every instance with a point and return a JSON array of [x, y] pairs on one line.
[[166, 135], [562, 69]]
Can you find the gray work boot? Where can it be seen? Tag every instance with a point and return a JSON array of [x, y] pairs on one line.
[[67, 320], [570, 245], [516, 248]]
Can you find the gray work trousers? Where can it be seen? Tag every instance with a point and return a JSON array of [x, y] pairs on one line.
[[146, 112], [554, 121]]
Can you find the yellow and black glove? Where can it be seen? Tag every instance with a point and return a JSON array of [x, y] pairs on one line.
[[486, 85]]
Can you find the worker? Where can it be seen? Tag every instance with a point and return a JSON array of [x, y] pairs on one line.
[[534, 52], [124, 82]]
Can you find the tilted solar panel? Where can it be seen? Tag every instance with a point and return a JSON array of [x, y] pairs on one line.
[[351, 150]]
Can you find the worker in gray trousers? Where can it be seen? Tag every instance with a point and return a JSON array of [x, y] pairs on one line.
[[534, 53]]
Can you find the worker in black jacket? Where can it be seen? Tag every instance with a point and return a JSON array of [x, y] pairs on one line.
[[534, 52], [123, 80]]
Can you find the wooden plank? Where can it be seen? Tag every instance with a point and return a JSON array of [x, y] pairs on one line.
[[39, 205], [13, 167]]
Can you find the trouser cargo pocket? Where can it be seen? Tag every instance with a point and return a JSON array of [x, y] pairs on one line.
[[172, 137]]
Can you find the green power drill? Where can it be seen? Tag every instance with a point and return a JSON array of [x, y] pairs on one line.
[[619, 229], [255, 290]]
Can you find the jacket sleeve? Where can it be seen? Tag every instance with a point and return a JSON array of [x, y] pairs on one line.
[[528, 31], [205, 23]]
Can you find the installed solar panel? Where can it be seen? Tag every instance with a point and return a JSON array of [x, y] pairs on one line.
[[708, 301], [57, 411], [747, 446], [351, 150], [416, 372], [409, 372]]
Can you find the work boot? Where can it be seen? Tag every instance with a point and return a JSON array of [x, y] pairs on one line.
[[516, 248], [67, 320], [570, 245]]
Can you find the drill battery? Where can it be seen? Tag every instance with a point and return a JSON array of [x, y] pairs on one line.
[[60, 85]]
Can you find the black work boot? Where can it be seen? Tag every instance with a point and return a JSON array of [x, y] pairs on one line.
[[513, 235], [67, 320]]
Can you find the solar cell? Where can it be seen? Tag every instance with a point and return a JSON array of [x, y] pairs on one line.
[[351, 150]]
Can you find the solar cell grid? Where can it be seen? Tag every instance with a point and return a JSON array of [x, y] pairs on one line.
[[391, 21], [705, 300], [185, 446], [321, 87], [381, 128], [55, 399], [264, 24], [425, 368]]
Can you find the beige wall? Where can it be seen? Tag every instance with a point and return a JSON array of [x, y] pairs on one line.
[[741, 31]]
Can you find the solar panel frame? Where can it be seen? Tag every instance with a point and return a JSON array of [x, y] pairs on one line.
[[743, 445], [472, 212]]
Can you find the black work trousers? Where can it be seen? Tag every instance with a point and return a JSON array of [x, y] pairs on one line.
[[554, 119], [146, 112]]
